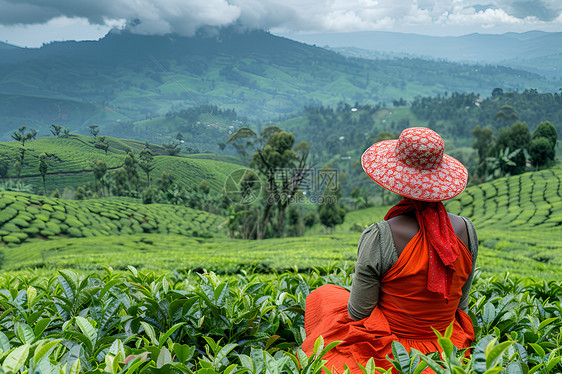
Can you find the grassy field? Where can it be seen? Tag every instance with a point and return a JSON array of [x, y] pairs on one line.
[[69, 162], [518, 221]]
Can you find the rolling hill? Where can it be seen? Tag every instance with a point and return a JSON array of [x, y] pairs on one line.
[[518, 221], [126, 77], [536, 51], [69, 162]]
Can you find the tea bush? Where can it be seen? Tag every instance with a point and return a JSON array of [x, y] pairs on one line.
[[142, 322], [25, 216]]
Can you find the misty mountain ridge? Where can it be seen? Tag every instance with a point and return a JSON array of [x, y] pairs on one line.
[[516, 50], [126, 77]]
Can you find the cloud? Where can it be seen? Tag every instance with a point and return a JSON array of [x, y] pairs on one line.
[[186, 16], [543, 10], [152, 17]]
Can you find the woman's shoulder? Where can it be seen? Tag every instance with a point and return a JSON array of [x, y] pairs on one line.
[[472, 236], [378, 231], [376, 245]]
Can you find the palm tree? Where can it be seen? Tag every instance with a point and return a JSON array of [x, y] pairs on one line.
[[501, 164], [43, 167]]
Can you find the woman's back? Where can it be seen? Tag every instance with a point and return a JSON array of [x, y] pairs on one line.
[[410, 308], [413, 270], [405, 227]]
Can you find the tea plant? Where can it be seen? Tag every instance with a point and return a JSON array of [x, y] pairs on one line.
[[249, 323]]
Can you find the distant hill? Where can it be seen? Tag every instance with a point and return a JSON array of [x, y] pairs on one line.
[[5, 47], [126, 77], [535, 51]]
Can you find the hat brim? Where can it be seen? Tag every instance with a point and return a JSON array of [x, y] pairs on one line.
[[441, 183]]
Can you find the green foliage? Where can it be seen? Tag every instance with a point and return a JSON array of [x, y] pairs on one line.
[[543, 144], [146, 163], [461, 113], [330, 212], [244, 71], [22, 136], [71, 161], [43, 167], [100, 217], [541, 151], [546, 130], [145, 322]]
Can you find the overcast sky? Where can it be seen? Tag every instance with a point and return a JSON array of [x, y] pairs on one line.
[[34, 22]]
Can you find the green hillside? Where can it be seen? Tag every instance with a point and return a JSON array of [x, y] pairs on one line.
[[26, 217], [518, 221], [131, 77], [69, 162]]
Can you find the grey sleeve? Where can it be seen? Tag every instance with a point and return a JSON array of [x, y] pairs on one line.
[[372, 262], [473, 246]]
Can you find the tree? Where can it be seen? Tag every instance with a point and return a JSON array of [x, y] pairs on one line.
[[166, 181], [497, 92], [100, 169], [102, 144], [385, 135], [517, 136], [130, 166], [18, 164], [243, 139], [22, 136], [330, 212], [541, 151], [204, 187], [43, 167], [309, 219], [146, 163], [172, 149], [56, 130], [546, 130], [120, 184], [4, 167], [80, 193], [284, 169], [294, 219], [506, 115], [94, 130], [484, 140], [358, 200], [501, 164]]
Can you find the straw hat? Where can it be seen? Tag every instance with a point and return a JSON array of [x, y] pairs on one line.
[[414, 166]]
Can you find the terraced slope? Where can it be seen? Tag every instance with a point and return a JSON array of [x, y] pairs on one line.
[[69, 162], [519, 221], [25, 217], [530, 200], [518, 227]]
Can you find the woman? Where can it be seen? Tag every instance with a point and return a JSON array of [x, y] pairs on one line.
[[414, 269]]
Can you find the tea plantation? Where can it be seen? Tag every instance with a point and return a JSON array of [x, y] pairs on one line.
[[69, 162], [519, 222], [172, 238], [139, 322], [139, 299]]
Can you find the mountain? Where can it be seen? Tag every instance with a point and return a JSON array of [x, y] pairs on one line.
[[7, 47], [124, 78], [535, 51]]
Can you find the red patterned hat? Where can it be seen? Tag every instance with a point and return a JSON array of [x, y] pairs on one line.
[[414, 166]]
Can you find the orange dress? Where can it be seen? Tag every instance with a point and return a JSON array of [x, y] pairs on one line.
[[406, 311]]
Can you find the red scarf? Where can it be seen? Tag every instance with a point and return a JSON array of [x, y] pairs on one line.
[[444, 249]]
